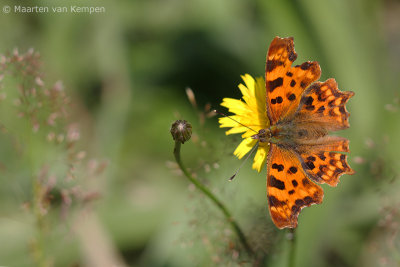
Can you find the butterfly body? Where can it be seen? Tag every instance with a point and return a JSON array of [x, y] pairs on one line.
[[290, 134]]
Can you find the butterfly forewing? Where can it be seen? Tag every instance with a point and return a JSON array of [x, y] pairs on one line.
[[284, 83]]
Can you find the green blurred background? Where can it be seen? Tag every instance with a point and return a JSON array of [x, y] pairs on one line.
[[126, 71]]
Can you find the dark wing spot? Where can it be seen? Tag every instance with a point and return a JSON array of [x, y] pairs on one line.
[[272, 64], [308, 101], [303, 84], [321, 109], [341, 109], [308, 200], [292, 83], [289, 74], [292, 56], [322, 156], [295, 209], [331, 103], [275, 83], [279, 99], [332, 162], [273, 101], [276, 183], [337, 171], [291, 192], [312, 158], [336, 93], [293, 170], [310, 165], [305, 65], [278, 167], [294, 183], [274, 202], [292, 97], [299, 202], [344, 99], [343, 160]]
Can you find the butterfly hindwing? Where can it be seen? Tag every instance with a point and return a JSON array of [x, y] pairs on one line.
[[288, 188], [284, 83], [323, 161]]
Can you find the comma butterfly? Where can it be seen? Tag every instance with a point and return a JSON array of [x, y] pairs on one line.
[[301, 114]]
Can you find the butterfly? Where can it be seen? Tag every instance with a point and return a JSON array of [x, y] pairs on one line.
[[293, 137]]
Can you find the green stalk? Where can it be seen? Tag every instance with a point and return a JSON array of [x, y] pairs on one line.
[[292, 247], [39, 254], [213, 198]]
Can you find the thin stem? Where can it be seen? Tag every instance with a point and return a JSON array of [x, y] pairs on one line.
[[38, 246], [213, 198], [39, 253], [292, 247]]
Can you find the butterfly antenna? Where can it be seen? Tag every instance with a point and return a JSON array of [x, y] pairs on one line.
[[251, 152], [222, 114]]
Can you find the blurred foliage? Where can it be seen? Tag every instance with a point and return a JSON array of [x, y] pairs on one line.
[[126, 71]]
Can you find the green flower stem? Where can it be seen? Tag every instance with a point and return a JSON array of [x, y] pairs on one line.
[[213, 198], [292, 247]]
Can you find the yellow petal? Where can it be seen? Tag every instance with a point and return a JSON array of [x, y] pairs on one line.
[[244, 90], [260, 96], [227, 122], [249, 81], [250, 133], [235, 105], [244, 147], [236, 130], [261, 156]]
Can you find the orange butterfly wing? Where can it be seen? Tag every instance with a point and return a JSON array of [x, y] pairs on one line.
[[288, 188], [284, 83], [323, 104], [322, 161]]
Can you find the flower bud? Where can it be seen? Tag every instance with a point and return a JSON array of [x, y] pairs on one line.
[[181, 131]]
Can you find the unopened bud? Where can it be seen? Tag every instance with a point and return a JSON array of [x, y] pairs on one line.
[[181, 131]]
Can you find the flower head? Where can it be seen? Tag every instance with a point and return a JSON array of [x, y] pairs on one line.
[[181, 131], [252, 113]]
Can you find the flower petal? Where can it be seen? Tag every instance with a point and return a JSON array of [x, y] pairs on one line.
[[244, 147], [235, 105], [249, 81], [261, 156], [236, 130]]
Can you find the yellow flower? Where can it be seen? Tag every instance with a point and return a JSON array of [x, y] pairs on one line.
[[252, 113]]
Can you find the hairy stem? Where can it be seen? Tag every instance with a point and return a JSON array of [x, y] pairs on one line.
[[213, 198]]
